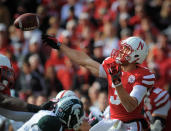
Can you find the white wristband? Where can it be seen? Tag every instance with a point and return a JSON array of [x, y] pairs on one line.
[[117, 85]]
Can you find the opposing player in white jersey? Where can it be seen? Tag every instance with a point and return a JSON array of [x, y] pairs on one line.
[[127, 81], [68, 114], [156, 106]]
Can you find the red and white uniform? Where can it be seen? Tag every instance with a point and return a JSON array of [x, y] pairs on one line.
[[138, 78], [136, 84], [156, 102]]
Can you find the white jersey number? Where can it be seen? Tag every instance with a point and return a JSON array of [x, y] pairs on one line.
[[113, 100]]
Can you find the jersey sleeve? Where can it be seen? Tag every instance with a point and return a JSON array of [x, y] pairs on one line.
[[16, 115], [144, 80], [138, 92], [147, 80], [163, 110], [161, 98]]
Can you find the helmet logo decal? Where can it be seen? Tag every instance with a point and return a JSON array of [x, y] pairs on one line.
[[131, 79], [140, 45], [75, 109], [70, 111]]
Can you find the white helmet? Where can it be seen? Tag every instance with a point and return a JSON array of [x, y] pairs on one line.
[[133, 50], [65, 93], [6, 73], [61, 94]]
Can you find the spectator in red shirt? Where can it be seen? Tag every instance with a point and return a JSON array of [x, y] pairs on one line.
[[139, 15], [159, 61], [4, 41], [146, 28], [67, 74], [56, 59]]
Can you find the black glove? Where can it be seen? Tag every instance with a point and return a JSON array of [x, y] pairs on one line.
[[51, 41], [45, 106], [49, 105], [115, 72]]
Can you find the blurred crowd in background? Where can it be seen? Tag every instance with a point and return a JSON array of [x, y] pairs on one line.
[[92, 26]]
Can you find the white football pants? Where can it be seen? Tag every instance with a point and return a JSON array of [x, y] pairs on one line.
[[116, 125]]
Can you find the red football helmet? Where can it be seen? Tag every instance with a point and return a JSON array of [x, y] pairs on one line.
[[7, 76]]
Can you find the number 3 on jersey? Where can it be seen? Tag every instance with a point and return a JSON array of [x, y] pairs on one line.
[[115, 99]]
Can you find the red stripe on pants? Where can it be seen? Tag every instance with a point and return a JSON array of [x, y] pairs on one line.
[[138, 126]]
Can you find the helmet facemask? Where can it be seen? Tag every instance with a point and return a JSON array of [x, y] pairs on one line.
[[70, 112], [122, 56], [76, 113], [6, 77]]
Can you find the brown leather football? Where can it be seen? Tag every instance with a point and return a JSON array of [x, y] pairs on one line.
[[27, 22]]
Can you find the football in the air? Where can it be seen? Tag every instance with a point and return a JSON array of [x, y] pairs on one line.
[[27, 22]]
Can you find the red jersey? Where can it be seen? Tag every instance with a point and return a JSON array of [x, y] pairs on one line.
[[140, 76], [154, 100]]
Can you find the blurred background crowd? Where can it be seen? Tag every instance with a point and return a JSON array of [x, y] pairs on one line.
[[92, 26]]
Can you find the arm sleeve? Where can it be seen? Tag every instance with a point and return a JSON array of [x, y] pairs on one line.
[[138, 92], [102, 72], [163, 110], [16, 115]]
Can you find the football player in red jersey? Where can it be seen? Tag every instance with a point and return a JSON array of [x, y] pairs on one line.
[[10, 107], [127, 81], [156, 106]]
